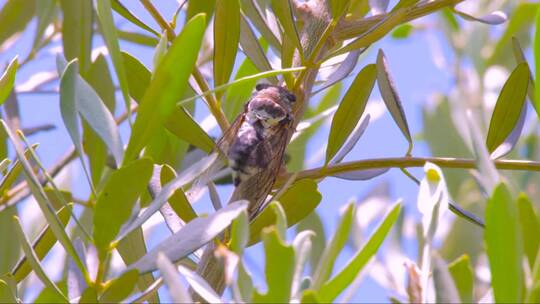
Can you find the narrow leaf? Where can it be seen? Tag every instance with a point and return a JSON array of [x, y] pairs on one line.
[[14, 17], [7, 80], [350, 110], [446, 291], [504, 246], [463, 276], [226, 37], [116, 201], [167, 86], [120, 288], [138, 76], [530, 228], [177, 290], [34, 261], [331, 289], [118, 7], [191, 237], [178, 200], [77, 30], [508, 107], [391, 98], [284, 13], [493, 18]]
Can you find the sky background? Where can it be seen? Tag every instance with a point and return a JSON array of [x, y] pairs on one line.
[[416, 74]]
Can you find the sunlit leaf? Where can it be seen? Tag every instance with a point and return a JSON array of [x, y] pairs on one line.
[[199, 285], [463, 276], [167, 86], [138, 76], [302, 248], [378, 7], [196, 7], [115, 202], [226, 36], [178, 292], [391, 98], [402, 31], [7, 80], [508, 107], [160, 50], [239, 233], [252, 10], [493, 18], [503, 232], [183, 125], [351, 141], [191, 237], [332, 288], [350, 110], [344, 69]]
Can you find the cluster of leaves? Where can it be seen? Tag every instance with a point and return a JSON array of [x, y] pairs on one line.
[[128, 185]]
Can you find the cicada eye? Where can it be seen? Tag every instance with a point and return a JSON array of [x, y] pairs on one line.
[[261, 86]]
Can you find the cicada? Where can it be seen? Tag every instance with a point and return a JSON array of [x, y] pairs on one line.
[[254, 145]]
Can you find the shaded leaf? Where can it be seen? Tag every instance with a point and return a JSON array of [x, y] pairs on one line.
[[6, 294], [196, 7], [352, 140], [303, 193], [41, 246], [254, 50], [530, 228], [178, 200], [226, 37], [191, 237], [120, 288], [361, 174], [344, 69], [108, 31], [333, 248], [332, 288], [14, 17], [339, 8], [182, 125], [118, 7], [503, 232], [138, 76], [116, 201], [34, 261], [136, 38], [508, 107], [77, 30], [167, 86], [536, 52], [391, 98], [350, 110], [251, 9]]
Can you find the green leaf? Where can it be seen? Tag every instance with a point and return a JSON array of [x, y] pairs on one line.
[[167, 86], [184, 178], [138, 76], [42, 200], [391, 97], [508, 107], [279, 268], [47, 295], [375, 33], [118, 7], [14, 17], [310, 296], [100, 79], [191, 237], [403, 31], [160, 50], [33, 260], [255, 49], [182, 125], [178, 200], [41, 246], [115, 202], [7, 80], [445, 288], [77, 30], [463, 275], [350, 110], [196, 7], [536, 52], [9, 254], [253, 12], [108, 31], [120, 288], [239, 234], [6, 293], [404, 3], [333, 248], [136, 38], [13, 174], [89, 295], [226, 36], [339, 8], [302, 193], [504, 246], [530, 228], [332, 288], [284, 13]]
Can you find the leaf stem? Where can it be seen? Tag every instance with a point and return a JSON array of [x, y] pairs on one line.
[[163, 24]]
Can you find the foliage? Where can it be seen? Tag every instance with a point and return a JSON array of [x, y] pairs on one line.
[[207, 58]]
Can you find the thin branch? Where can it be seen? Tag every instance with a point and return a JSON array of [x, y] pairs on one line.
[[409, 162], [163, 24], [211, 101]]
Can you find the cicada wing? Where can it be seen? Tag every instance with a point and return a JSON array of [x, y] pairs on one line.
[[218, 168], [256, 188]]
